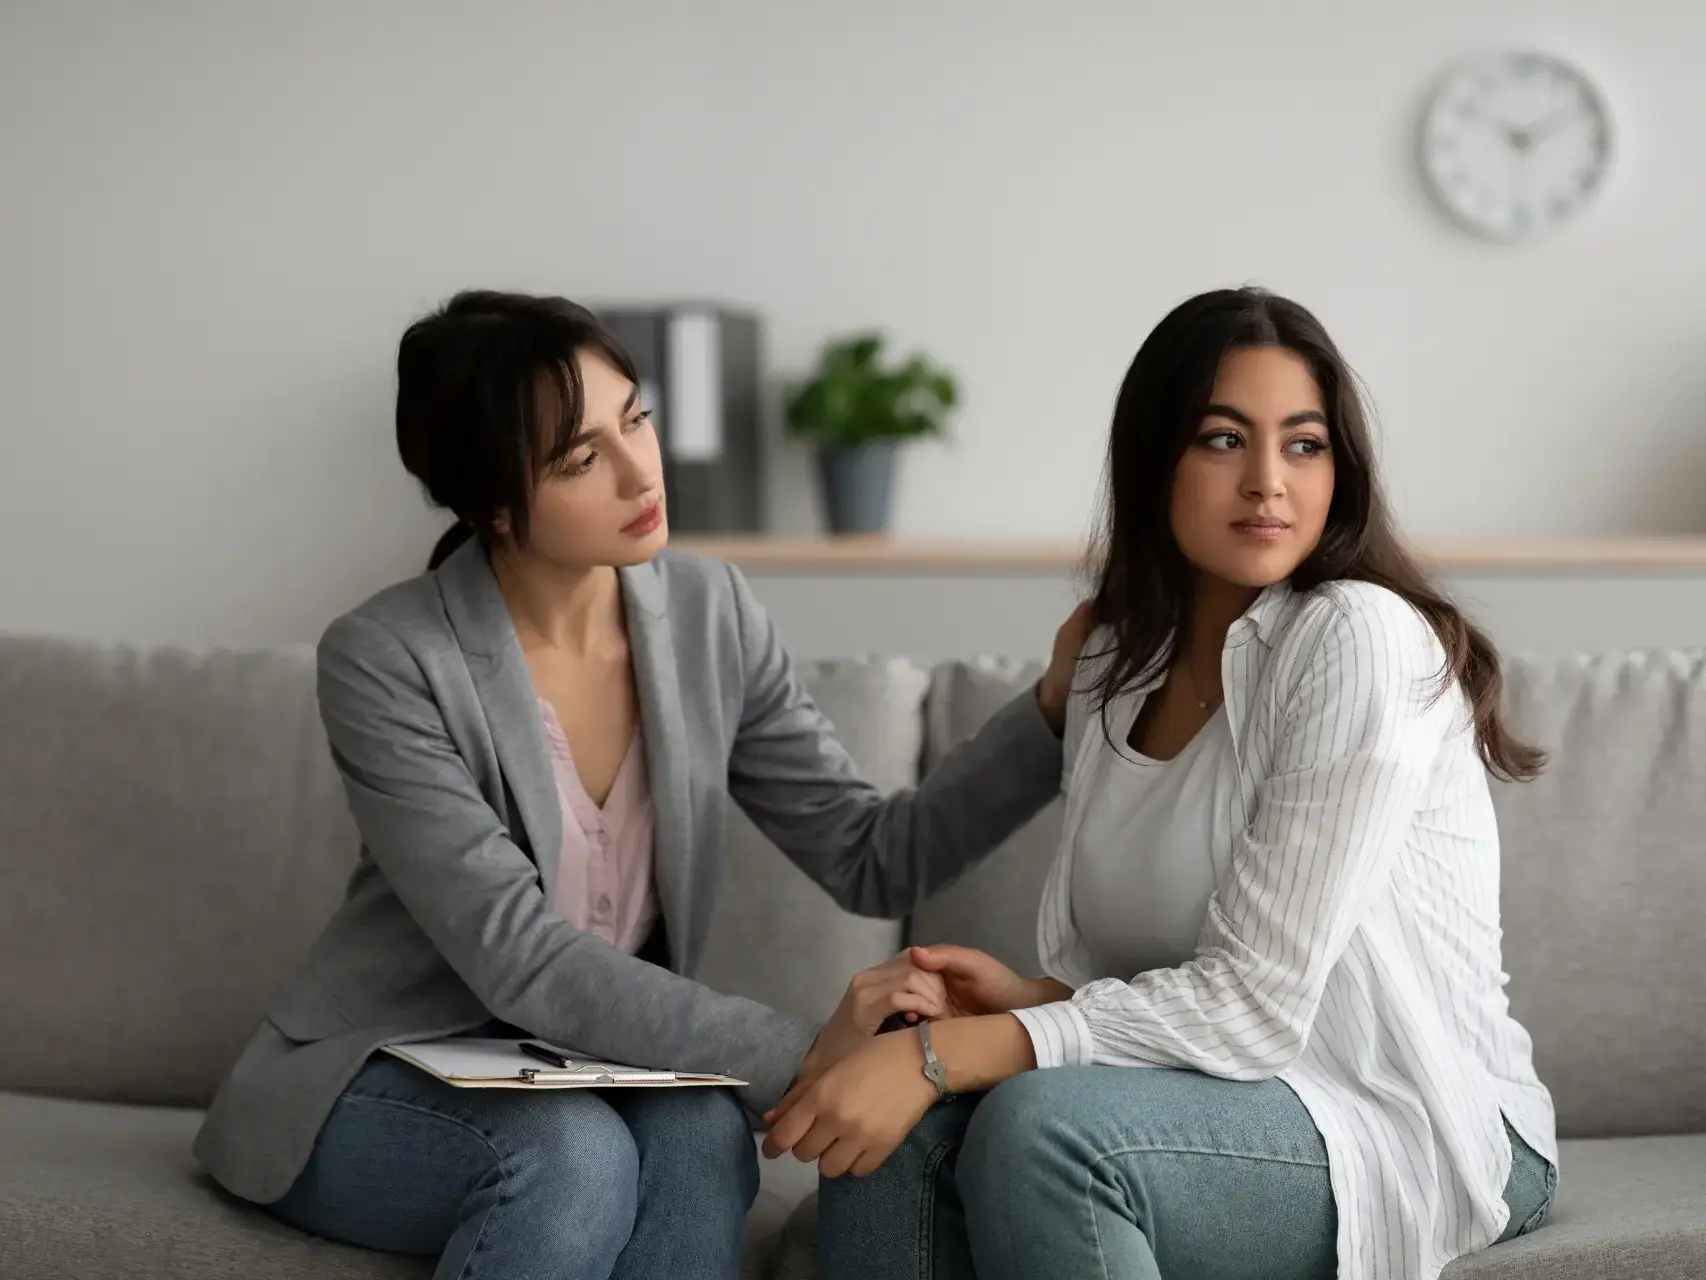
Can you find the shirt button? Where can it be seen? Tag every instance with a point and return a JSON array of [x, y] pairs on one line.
[[603, 838], [604, 903]]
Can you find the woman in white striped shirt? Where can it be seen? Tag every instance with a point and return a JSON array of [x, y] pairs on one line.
[[1279, 877]]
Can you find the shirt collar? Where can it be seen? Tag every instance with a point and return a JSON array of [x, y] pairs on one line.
[[1264, 616]]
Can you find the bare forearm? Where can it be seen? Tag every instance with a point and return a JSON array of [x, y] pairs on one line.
[[982, 1052]]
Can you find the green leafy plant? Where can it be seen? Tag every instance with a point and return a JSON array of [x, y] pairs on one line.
[[854, 399]]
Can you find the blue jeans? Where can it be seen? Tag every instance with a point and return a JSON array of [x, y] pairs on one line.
[[1125, 1173], [502, 1184]]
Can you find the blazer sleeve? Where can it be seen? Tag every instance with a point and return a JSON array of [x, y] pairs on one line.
[[876, 855], [448, 856]]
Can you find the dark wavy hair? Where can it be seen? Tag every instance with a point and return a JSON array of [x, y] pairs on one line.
[[489, 397], [1144, 584]]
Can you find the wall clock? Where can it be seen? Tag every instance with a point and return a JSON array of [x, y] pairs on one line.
[[1515, 144]]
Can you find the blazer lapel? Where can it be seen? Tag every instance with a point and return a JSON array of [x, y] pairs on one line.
[[504, 686], [664, 724]]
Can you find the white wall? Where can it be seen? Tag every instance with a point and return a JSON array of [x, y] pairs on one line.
[[216, 218]]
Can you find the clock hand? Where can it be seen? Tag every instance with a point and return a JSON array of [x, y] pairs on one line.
[[1551, 124]]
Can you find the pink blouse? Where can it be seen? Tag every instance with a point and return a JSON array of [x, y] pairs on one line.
[[604, 869]]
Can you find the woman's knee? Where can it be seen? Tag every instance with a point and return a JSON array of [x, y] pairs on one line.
[[704, 1123], [1009, 1117], [873, 1225], [910, 1170], [570, 1149], [711, 1117], [692, 1131], [1021, 1125]]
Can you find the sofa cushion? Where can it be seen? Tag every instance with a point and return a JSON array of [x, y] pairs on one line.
[[776, 936], [1604, 887], [1627, 1209], [106, 1192], [994, 905], [172, 837], [97, 1191]]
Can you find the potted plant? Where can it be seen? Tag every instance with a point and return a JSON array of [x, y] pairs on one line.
[[858, 410]]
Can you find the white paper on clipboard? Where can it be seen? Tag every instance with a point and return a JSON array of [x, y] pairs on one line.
[[472, 1063]]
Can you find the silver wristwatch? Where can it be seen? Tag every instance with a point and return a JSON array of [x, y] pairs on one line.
[[935, 1070]]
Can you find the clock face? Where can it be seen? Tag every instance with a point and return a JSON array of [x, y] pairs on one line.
[[1514, 145]]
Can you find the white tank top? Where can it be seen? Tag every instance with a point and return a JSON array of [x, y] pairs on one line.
[[1143, 868]]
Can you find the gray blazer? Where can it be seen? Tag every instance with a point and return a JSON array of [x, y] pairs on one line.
[[429, 708]]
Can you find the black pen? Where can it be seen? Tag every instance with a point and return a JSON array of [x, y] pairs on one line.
[[533, 1049]]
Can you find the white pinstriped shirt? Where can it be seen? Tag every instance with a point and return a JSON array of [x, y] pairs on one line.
[[1352, 945]]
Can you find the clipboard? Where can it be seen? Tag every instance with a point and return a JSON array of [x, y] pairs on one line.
[[472, 1063]]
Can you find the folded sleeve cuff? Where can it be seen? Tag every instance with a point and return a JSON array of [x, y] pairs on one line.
[[1060, 1036]]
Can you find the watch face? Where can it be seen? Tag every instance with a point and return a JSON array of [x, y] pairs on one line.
[[1514, 145]]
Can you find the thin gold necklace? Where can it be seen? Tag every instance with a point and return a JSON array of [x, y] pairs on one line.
[[1191, 680]]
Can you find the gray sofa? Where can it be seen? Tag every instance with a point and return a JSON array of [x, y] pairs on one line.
[[172, 836]]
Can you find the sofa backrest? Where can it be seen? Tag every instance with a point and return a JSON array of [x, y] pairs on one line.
[[776, 937], [1604, 888], [173, 836], [1604, 878], [994, 905]]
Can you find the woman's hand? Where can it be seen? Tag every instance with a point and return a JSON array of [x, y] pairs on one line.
[[977, 983], [1056, 684], [852, 1116], [895, 986]]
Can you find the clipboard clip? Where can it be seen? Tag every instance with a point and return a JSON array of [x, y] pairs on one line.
[[531, 1075]]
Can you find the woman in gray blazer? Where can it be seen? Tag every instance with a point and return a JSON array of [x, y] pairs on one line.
[[538, 738]]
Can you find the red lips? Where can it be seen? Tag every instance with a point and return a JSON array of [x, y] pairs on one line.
[[648, 520]]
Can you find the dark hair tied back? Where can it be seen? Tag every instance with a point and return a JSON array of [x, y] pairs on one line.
[[449, 541], [489, 398]]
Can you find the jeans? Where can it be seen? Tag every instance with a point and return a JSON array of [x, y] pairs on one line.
[[1124, 1173], [501, 1184]]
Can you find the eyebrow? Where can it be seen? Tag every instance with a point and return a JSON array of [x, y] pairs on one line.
[[1243, 419], [587, 433]]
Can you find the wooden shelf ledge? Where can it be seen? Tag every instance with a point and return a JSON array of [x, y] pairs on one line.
[[879, 554]]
